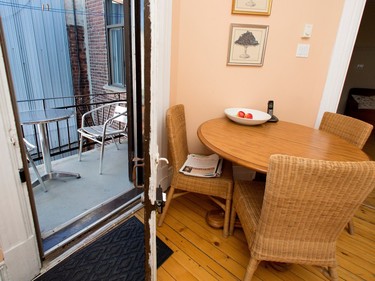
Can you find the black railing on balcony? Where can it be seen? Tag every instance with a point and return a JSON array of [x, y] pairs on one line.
[[62, 135]]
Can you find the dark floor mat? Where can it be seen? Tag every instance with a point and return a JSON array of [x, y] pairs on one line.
[[118, 255]]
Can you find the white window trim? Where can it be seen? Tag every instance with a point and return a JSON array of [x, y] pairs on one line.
[[113, 89]]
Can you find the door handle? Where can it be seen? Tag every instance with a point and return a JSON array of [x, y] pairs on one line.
[[161, 197], [136, 160], [161, 159]]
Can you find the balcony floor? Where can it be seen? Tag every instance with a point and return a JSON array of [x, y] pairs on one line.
[[69, 199]]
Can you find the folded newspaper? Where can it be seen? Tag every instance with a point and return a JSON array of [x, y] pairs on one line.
[[202, 165]]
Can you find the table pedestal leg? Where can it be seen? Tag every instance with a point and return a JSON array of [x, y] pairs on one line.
[[44, 146], [215, 219], [49, 173]]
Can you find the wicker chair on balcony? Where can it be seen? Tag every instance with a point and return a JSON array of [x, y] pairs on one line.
[[302, 210], [350, 129], [103, 123], [219, 189]]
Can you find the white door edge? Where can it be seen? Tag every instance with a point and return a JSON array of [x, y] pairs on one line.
[[17, 235], [341, 55], [161, 28]]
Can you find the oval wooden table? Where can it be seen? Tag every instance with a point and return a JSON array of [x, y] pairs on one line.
[[252, 146]]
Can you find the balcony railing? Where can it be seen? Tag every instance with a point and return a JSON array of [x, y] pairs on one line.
[[62, 135]]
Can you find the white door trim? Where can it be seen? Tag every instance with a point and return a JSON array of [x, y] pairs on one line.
[[161, 26], [17, 232], [341, 55]]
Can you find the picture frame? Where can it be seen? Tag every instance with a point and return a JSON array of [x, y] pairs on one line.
[[252, 7], [247, 44]]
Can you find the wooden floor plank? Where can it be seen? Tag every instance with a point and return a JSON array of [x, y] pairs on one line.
[[307, 272], [359, 268], [366, 214], [201, 253], [178, 272], [212, 235], [163, 275], [186, 261], [196, 254], [357, 245], [356, 255], [364, 229]]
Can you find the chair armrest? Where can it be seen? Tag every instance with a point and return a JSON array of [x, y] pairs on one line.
[[109, 121], [29, 146], [100, 108]]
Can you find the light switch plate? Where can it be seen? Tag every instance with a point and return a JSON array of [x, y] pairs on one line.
[[307, 31], [303, 50]]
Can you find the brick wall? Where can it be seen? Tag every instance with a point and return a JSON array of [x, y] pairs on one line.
[[97, 45], [76, 36]]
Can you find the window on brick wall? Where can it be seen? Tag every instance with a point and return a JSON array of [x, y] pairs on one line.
[[115, 41]]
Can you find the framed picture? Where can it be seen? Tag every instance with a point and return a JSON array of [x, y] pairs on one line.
[[252, 7], [247, 44]]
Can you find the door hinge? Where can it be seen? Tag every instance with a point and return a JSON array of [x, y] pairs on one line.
[[22, 175]]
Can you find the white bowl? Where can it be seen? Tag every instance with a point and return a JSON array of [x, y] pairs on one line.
[[259, 117]]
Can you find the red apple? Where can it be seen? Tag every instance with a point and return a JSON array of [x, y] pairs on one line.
[[241, 114], [249, 116]]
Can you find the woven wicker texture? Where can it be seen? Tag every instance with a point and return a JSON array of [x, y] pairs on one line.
[[350, 129], [306, 205], [221, 187]]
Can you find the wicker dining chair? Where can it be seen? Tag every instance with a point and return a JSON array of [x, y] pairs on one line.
[[219, 189], [350, 129], [302, 210]]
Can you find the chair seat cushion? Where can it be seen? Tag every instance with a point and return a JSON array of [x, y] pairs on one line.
[[97, 131], [219, 186]]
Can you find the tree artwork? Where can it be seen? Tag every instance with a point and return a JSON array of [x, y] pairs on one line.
[[246, 39], [250, 3]]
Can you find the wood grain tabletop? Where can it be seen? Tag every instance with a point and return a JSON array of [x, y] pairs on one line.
[[251, 146]]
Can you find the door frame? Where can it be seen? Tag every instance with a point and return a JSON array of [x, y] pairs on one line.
[[342, 52], [158, 30]]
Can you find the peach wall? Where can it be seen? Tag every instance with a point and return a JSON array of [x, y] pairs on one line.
[[201, 80]]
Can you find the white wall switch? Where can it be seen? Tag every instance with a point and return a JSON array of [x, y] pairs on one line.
[[303, 50], [307, 31]]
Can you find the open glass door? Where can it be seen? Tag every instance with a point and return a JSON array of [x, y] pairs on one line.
[[140, 143], [74, 28], [134, 30], [139, 107]]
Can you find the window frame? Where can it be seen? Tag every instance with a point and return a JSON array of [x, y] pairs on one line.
[[110, 64]]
